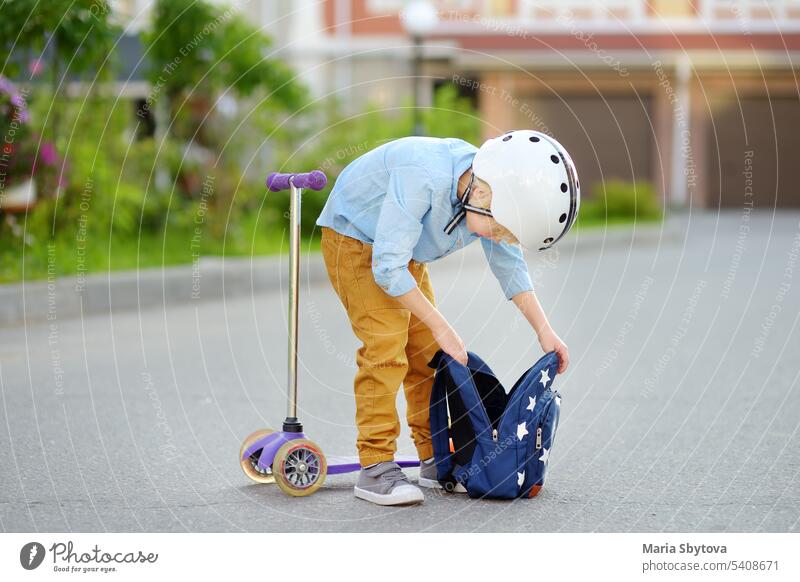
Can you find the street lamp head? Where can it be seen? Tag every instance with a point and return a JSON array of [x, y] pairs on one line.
[[419, 17]]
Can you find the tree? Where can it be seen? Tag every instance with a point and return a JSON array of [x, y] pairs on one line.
[[75, 36], [198, 49]]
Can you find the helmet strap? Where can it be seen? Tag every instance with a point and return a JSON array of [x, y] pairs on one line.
[[465, 207]]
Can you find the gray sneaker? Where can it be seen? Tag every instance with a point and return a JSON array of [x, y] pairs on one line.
[[386, 484], [429, 478]]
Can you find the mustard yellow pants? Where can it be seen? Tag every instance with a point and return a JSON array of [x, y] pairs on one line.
[[396, 348]]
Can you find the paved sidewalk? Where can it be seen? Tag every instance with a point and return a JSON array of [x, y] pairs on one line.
[[680, 410]]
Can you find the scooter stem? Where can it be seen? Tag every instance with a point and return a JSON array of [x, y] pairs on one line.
[[291, 424], [276, 182]]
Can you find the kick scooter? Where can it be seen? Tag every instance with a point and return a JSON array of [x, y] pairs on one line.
[[286, 457]]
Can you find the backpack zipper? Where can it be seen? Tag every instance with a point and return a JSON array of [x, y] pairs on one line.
[[494, 434], [543, 419]]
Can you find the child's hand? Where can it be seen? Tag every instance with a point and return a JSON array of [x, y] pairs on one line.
[[450, 342], [550, 342], [444, 335]]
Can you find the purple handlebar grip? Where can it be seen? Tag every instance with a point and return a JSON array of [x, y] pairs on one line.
[[315, 180]]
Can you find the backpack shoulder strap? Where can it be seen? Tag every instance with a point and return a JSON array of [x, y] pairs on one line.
[[440, 430], [461, 380]]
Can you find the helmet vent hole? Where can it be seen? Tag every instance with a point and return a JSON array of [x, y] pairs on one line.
[[562, 218], [554, 159], [534, 139], [508, 137], [548, 240], [563, 187]]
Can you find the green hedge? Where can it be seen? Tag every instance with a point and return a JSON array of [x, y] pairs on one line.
[[617, 201]]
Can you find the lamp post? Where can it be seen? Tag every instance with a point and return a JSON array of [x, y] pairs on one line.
[[419, 18]]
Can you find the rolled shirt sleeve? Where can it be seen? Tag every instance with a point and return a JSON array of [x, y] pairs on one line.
[[508, 266], [399, 226]]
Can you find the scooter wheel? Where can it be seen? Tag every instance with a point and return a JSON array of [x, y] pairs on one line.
[[299, 468], [250, 464]]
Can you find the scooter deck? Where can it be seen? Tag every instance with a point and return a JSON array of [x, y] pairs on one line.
[[339, 464]]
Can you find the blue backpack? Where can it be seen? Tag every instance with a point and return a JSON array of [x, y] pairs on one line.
[[496, 445]]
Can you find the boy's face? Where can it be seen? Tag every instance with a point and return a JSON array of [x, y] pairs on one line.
[[486, 226]]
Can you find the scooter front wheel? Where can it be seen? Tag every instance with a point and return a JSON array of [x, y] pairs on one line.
[[250, 464], [299, 467]]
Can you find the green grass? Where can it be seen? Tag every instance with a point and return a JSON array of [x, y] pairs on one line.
[[66, 256]]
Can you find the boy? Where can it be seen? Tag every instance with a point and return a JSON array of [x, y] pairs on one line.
[[409, 202]]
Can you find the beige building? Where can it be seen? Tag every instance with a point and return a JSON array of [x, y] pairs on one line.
[[701, 98]]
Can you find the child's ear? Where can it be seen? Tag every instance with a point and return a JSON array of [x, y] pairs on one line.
[[487, 195], [483, 194]]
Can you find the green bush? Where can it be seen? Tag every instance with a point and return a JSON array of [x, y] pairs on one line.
[[452, 116], [620, 201], [135, 203], [198, 49], [342, 139]]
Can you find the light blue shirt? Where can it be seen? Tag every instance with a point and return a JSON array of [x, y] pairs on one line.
[[399, 197]]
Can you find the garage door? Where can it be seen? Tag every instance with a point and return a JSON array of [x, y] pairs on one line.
[[609, 139], [757, 141]]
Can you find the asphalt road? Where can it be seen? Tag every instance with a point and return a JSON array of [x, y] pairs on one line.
[[680, 409]]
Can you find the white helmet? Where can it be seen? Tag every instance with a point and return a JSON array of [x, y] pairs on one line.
[[535, 189]]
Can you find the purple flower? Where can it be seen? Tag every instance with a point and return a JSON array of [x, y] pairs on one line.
[[17, 101], [7, 86], [35, 67], [48, 154]]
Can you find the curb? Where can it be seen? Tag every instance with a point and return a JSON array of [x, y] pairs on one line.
[[225, 278], [207, 279]]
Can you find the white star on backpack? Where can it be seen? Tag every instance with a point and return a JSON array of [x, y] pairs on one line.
[[531, 403], [545, 456]]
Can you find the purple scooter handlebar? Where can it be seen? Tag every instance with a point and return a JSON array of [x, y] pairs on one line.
[[315, 180]]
